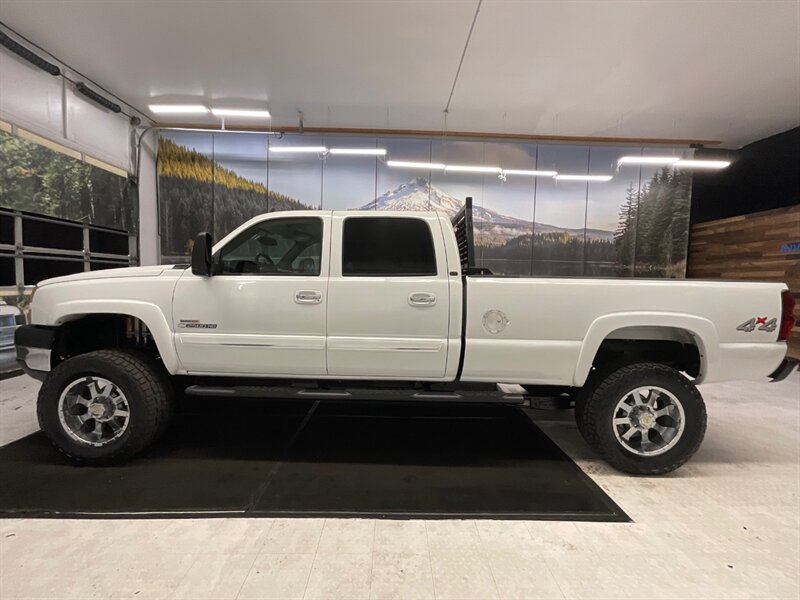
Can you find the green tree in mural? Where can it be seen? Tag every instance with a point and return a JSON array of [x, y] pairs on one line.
[[681, 206], [623, 239], [653, 226]]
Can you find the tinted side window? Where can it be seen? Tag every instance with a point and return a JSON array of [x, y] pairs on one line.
[[387, 246], [275, 247]]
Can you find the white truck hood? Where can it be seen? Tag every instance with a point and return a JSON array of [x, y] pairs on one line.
[[151, 271]]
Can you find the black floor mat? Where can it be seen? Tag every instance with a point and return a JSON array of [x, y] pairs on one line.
[[257, 458]]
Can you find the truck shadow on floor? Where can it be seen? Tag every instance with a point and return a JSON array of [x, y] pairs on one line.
[[301, 458]]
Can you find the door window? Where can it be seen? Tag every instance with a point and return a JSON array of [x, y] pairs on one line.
[[387, 246], [287, 246]]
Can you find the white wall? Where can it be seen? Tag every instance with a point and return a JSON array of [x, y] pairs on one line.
[[149, 240], [48, 106]]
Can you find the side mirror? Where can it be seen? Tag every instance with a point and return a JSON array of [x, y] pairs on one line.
[[201, 255]]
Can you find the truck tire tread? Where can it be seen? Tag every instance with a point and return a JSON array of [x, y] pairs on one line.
[[609, 448], [149, 385]]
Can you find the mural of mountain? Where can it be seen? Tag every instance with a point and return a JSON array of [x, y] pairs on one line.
[[196, 193], [419, 194]]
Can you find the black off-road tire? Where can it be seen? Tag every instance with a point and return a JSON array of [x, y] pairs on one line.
[[594, 379], [168, 408], [580, 400], [145, 385], [598, 412]]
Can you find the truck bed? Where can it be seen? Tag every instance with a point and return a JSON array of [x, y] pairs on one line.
[[555, 344]]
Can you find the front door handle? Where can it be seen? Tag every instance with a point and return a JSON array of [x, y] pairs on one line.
[[308, 297], [421, 299]]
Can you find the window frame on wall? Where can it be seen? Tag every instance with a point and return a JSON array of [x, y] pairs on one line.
[[49, 240], [130, 190], [35, 138]]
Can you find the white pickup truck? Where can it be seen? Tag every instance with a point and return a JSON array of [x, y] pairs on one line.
[[388, 305]]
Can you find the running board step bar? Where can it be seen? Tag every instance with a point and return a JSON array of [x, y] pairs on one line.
[[287, 392]]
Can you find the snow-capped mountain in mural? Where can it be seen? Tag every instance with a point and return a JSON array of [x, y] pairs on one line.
[[419, 194]]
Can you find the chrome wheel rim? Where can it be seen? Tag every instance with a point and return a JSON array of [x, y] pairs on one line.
[[93, 411], [648, 421]]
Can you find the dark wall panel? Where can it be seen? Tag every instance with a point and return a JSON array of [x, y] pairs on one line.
[[762, 176]]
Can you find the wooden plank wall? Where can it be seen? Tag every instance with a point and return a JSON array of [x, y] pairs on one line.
[[748, 248]]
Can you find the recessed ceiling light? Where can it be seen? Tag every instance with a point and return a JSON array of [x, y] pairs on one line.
[[702, 164], [584, 177], [359, 151], [174, 109], [530, 173], [648, 160], [472, 169], [414, 165], [298, 149], [240, 112]]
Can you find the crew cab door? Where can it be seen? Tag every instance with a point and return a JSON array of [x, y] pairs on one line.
[[388, 297], [262, 312]]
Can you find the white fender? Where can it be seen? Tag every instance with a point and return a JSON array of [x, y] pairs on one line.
[[703, 331], [150, 314]]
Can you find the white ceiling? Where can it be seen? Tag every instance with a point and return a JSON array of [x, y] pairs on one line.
[[727, 71]]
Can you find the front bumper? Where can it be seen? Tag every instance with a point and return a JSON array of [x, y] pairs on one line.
[[786, 367], [34, 344]]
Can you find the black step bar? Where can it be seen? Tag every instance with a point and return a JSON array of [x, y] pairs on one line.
[[466, 396]]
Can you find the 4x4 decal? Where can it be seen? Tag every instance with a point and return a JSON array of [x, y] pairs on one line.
[[760, 323]]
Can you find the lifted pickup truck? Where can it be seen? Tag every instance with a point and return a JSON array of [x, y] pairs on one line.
[[390, 305]]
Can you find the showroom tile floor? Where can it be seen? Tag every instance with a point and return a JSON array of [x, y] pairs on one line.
[[727, 525]]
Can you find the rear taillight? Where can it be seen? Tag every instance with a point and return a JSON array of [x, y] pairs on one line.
[[787, 315]]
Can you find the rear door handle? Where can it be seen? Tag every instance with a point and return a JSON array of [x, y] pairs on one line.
[[421, 299], [308, 297]]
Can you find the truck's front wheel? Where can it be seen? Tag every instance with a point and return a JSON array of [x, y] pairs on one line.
[[104, 406], [645, 419]]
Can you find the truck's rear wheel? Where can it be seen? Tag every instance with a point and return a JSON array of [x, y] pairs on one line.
[[105, 406], [645, 419]]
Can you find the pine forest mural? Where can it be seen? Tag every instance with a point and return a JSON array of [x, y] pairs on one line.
[[195, 194], [36, 179]]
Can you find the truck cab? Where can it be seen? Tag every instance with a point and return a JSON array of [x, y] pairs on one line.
[[325, 294]]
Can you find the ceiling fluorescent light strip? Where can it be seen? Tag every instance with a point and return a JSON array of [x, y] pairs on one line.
[[298, 149], [702, 164], [240, 112], [404, 164], [648, 160], [584, 177], [530, 173], [359, 151], [471, 169], [177, 109]]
